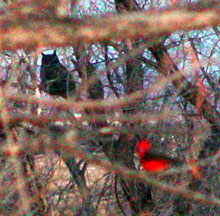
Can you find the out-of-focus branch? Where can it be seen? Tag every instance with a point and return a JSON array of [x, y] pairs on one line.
[[96, 104], [30, 30]]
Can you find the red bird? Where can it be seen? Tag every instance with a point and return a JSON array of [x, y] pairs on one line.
[[153, 161]]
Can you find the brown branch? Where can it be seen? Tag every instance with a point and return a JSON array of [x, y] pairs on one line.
[[19, 30], [159, 84]]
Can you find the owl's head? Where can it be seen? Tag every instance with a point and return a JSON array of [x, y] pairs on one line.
[[50, 58]]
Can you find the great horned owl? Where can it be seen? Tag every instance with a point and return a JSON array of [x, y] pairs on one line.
[[126, 5], [55, 79]]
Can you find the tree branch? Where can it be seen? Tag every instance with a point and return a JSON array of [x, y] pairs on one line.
[[31, 30]]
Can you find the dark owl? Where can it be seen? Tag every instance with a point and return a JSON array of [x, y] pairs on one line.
[[126, 5], [55, 79]]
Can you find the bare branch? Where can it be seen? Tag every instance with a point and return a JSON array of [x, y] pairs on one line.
[[32, 31]]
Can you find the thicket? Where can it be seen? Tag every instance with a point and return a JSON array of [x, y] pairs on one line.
[[143, 71]]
